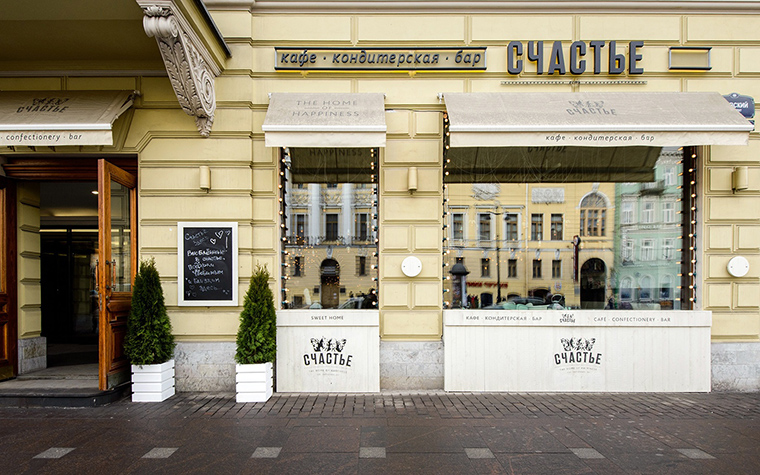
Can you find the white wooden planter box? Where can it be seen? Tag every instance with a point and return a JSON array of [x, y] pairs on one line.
[[253, 382], [153, 383]]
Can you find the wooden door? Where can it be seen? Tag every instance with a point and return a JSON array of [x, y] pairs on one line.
[[117, 264], [8, 328]]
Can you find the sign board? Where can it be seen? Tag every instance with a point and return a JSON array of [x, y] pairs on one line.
[[380, 59], [208, 264], [743, 104]]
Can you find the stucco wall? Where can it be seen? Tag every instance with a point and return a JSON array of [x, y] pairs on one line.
[[245, 174]]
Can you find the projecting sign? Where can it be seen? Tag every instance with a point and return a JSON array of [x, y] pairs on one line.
[[744, 104]]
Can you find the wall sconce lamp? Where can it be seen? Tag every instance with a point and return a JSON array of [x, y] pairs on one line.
[[205, 178], [411, 180], [740, 179]]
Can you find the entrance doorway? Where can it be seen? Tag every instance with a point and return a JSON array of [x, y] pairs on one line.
[[87, 257], [593, 283], [68, 256]]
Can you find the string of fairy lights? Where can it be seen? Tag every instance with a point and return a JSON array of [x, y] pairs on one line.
[[305, 248], [689, 219], [446, 249]]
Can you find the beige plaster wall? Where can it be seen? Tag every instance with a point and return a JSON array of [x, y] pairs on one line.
[[411, 308], [244, 173]]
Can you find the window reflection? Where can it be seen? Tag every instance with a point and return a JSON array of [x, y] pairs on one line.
[[329, 226], [612, 240]]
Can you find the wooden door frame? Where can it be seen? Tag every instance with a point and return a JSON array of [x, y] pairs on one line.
[[107, 172], [8, 268]]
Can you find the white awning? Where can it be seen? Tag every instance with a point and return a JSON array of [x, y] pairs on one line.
[[349, 120], [54, 118], [604, 119]]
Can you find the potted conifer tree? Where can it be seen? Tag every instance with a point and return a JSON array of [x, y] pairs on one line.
[[149, 343], [256, 341]]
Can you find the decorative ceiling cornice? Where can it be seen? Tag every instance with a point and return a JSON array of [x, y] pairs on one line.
[[188, 62], [490, 6]]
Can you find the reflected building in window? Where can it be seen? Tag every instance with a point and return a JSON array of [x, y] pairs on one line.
[[570, 227], [329, 228], [648, 253], [521, 234]]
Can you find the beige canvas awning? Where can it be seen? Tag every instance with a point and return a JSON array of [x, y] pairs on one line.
[[604, 119], [325, 120], [56, 118]]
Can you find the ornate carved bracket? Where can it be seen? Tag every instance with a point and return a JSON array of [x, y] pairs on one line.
[[186, 59]]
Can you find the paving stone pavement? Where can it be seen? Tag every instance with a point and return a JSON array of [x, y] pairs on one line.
[[388, 433]]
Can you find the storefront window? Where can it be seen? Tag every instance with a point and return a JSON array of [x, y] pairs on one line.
[[329, 228], [616, 238]]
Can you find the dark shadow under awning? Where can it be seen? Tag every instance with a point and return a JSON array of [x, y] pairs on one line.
[[551, 164]]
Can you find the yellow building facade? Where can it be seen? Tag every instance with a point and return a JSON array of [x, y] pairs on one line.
[[679, 47]]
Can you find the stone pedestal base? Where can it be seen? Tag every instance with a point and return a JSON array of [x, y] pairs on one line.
[[735, 367], [32, 354], [411, 365]]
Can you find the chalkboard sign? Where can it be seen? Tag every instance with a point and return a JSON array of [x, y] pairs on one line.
[[208, 257]]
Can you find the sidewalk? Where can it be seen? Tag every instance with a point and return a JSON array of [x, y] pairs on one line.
[[389, 433]]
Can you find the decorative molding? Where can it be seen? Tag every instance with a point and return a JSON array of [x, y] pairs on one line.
[[490, 6], [188, 62], [485, 191]]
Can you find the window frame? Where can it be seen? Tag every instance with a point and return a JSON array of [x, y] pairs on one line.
[[511, 228], [556, 230], [648, 214], [489, 228], [361, 230], [556, 268], [647, 249], [537, 227], [512, 269], [329, 225], [537, 269], [485, 267]]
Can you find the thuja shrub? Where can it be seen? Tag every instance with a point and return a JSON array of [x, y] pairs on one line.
[[149, 337], [257, 333]]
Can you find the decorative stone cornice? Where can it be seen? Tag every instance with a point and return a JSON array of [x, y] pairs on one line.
[[490, 6], [188, 62]]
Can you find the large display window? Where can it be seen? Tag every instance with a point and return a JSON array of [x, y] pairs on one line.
[[569, 228], [329, 228]]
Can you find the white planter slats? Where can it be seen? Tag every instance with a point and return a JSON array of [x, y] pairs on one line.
[[253, 382], [153, 383]]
